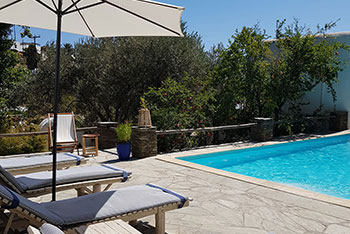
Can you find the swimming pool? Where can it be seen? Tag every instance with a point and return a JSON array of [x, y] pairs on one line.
[[320, 165]]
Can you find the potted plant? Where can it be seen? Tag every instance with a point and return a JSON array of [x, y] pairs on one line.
[[123, 132], [144, 119]]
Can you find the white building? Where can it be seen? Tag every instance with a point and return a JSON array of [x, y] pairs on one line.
[[320, 96], [20, 46]]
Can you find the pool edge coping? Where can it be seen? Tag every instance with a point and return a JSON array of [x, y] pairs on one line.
[[172, 158]]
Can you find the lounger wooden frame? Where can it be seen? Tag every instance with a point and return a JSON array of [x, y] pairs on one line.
[[82, 187], [45, 167], [32, 219], [108, 227]]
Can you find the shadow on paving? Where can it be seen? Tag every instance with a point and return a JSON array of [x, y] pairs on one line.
[[145, 228]]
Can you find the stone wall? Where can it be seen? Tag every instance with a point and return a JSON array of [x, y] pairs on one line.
[[108, 137], [143, 142], [263, 131], [339, 121]]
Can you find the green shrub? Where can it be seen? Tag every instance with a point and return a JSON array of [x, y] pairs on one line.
[[22, 145], [187, 103], [181, 104], [123, 132]]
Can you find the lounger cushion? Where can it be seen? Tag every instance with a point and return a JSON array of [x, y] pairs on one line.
[[29, 161], [102, 205], [33, 207], [47, 228], [70, 175]]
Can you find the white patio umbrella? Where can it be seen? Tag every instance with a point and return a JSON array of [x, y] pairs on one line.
[[95, 18]]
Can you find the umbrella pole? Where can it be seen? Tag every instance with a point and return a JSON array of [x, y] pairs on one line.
[[56, 105]]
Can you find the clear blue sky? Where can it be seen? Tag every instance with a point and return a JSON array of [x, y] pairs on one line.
[[216, 20]]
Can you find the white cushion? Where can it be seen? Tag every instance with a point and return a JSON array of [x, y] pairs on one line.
[[47, 228], [32, 230]]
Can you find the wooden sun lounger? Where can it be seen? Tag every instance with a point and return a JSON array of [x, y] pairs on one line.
[[85, 182], [82, 188], [45, 165], [28, 216]]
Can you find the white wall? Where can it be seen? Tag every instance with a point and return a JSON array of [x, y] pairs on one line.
[[320, 94]]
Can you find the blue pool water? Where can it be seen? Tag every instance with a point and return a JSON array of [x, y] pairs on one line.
[[320, 165]]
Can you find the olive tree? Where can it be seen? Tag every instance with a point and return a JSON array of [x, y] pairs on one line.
[[103, 79], [115, 73]]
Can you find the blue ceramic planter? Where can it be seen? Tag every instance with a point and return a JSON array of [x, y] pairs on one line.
[[123, 151]]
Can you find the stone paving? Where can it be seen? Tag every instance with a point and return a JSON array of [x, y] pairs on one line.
[[224, 205]]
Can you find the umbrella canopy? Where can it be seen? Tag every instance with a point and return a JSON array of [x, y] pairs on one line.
[[96, 18]]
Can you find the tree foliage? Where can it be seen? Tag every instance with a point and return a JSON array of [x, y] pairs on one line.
[[302, 60], [186, 103], [242, 77], [41, 84], [258, 77], [103, 79], [11, 72], [117, 72], [32, 57]]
